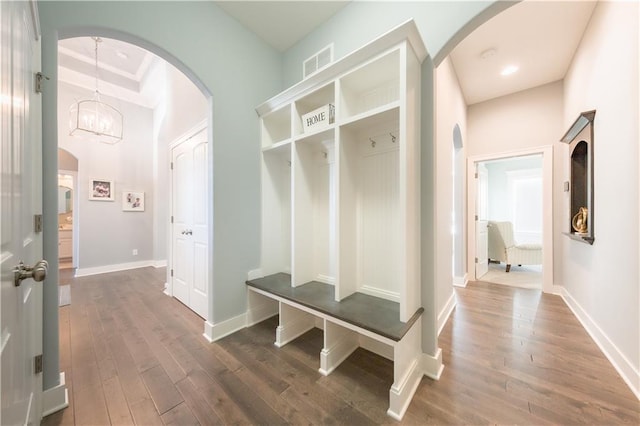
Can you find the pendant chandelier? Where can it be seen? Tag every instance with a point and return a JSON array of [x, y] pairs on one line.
[[94, 119]]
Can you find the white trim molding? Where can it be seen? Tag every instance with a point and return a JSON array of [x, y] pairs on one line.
[[55, 398], [214, 332], [432, 366], [461, 281], [83, 272], [160, 263], [623, 366], [446, 311]]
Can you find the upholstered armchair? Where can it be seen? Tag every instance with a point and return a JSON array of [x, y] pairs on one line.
[[503, 248]]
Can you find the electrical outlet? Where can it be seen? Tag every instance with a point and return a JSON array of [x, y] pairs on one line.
[[135, 252]]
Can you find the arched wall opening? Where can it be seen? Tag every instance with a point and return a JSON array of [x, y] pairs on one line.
[[51, 380]]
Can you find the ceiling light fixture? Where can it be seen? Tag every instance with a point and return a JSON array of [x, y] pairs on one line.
[[94, 118], [486, 54], [508, 70], [121, 54]]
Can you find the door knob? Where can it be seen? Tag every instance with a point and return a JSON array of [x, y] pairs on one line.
[[38, 272], [188, 232]]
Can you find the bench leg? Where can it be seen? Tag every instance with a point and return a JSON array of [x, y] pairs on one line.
[[339, 343], [508, 267], [407, 372], [293, 323]]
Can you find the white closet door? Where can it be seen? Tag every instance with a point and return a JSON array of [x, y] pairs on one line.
[[190, 249], [20, 200]]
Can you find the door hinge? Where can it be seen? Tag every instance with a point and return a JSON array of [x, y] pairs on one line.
[[172, 165], [171, 219], [37, 223], [172, 272], [38, 364], [476, 260], [476, 217], [38, 81], [476, 175]]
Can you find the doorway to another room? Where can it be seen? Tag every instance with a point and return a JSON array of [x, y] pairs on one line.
[[120, 109], [510, 219]]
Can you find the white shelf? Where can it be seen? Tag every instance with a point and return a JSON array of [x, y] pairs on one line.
[[276, 126], [278, 147], [327, 133], [382, 114]]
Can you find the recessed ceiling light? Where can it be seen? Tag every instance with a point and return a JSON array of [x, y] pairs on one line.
[[508, 70], [121, 54], [486, 54]]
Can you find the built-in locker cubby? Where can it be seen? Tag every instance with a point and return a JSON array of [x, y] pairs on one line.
[[276, 209], [370, 209], [314, 100], [276, 127], [314, 209], [371, 86], [341, 209], [351, 216]]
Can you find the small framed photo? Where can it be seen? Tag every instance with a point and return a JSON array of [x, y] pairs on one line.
[[101, 190], [132, 201]]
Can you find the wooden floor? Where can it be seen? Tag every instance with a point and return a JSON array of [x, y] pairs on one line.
[[132, 355]]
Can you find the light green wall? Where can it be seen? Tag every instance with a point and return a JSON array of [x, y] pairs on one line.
[[228, 62], [439, 22]]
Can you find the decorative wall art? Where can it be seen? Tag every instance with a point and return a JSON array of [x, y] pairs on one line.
[[132, 201], [101, 190]]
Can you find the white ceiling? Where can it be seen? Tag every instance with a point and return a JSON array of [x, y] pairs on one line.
[[281, 23], [540, 37], [121, 67]]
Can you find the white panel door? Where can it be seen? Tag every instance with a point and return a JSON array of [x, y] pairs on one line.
[[20, 200], [482, 209], [190, 251]]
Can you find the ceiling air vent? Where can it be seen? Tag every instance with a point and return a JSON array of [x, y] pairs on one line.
[[318, 61]]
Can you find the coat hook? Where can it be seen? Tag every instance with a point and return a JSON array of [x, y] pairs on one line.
[[289, 162], [324, 154], [373, 143], [393, 138]]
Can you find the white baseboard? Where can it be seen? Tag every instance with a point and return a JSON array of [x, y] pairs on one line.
[[167, 291], [55, 398], [159, 263], [461, 281], [84, 272], [326, 279], [625, 368], [400, 396], [217, 331], [446, 311], [432, 366], [383, 294]]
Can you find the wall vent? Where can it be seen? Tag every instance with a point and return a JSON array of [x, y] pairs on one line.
[[318, 61]]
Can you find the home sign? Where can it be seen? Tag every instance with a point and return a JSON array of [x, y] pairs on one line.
[[318, 118]]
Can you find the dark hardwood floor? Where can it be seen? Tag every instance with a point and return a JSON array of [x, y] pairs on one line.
[[132, 355]]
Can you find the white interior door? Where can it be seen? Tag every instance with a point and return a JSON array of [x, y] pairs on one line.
[[190, 251], [482, 212], [20, 200]]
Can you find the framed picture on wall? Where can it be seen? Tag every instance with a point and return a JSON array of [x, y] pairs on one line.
[[132, 201], [101, 190]]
